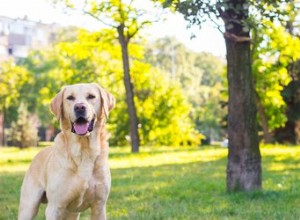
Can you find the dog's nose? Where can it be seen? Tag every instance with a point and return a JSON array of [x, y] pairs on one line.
[[80, 109]]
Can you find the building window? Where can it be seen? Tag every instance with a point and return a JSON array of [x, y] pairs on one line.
[[10, 51]]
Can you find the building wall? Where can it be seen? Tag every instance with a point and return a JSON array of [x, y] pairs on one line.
[[19, 36]]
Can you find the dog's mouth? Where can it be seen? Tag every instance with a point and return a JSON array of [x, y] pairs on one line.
[[82, 126]]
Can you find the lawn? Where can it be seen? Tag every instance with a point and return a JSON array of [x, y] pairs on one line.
[[176, 183]]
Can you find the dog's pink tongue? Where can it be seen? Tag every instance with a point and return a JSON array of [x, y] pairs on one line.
[[81, 128]]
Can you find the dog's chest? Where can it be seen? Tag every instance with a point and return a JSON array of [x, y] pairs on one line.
[[85, 171], [84, 161], [91, 182], [91, 192], [84, 196]]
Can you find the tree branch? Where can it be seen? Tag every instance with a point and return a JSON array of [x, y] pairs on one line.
[[217, 25], [99, 19], [137, 29], [238, 39]]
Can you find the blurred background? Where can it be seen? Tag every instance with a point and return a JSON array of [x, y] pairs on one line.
[[177, 72]]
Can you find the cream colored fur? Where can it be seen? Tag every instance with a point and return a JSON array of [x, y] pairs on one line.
[[73, 174]]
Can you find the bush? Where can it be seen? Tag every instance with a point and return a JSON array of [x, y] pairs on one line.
[[23, 132]]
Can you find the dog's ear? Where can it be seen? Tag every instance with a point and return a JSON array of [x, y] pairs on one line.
[[56, 104], [107, 101]]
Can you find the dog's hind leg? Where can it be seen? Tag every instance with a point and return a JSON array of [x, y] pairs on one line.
[[30, 199]]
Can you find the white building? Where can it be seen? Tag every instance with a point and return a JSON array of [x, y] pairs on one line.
[[19, 36]]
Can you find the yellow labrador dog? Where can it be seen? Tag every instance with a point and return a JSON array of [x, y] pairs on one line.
[[73, 174]]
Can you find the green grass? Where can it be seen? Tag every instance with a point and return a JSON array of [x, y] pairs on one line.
[[176, 183]]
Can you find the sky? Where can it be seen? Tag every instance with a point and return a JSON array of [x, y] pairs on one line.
[[207, 39]]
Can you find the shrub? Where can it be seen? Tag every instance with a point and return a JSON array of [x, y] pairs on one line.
[[23, 132]]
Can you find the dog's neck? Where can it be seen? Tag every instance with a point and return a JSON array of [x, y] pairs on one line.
[[86, 148], [83, 152]]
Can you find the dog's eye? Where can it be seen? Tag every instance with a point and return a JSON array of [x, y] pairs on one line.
[[71, 98], [90, 96]]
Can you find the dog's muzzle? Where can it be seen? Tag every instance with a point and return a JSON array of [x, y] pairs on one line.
[[82, 126]]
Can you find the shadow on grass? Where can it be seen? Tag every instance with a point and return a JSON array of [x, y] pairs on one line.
[[115, 152], [198, 191], [13, 162]]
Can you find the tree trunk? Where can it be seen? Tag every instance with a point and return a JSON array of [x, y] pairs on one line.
[[134, 135], [1, 129], [268, 137], [244, 160]]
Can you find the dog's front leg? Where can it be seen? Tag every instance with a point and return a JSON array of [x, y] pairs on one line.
[[99, 211], [53, 212]]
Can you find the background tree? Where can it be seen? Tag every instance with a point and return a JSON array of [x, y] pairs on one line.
[[290, 132], [153, 91], [81, 58], [12, 77], [243, 167], [244, 163], [93, 56], [274, 50], [23, 132], [200, 75], [127, 20], [244, 160], [164, 110]]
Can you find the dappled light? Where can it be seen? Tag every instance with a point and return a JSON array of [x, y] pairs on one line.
[[165, 155]]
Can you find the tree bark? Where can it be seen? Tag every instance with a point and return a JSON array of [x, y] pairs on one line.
[[244, 160], [1, 129], [268, 137], [133, 119]]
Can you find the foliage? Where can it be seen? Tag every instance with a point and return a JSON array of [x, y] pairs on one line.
[[179, 183], [271, 51], [198, 12], [271, 60], [243, 168], [131, 15], [290, 132], [163, 111], [274, 67], [23, 132], [12, 77], [201, 76], [126, 20], [95, 57], [67, 62]]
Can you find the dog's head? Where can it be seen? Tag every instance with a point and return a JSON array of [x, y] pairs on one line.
[[80, 106]]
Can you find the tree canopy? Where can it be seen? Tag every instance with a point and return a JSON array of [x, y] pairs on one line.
[[163, 107]]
